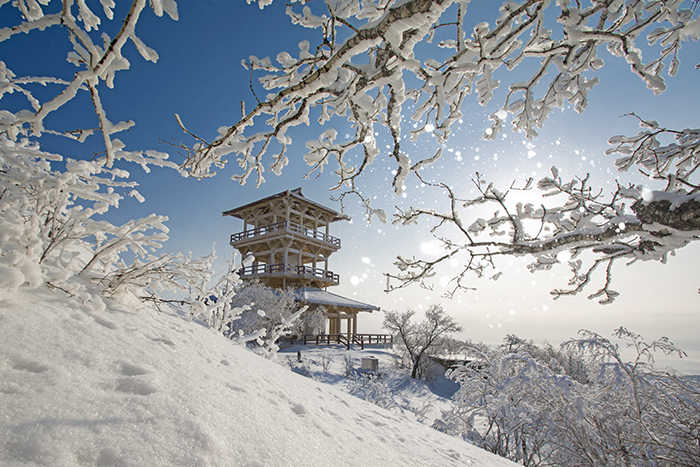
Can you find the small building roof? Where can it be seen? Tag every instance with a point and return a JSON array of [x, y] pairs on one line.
[[322, 297], [295, 193]]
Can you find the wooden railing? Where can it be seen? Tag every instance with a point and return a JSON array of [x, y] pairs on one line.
[[326, 339], [289, 269], [288, 227], [358, 339], [369, 339]]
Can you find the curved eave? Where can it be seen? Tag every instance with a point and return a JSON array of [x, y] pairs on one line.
[[296, 193], [322, 297]]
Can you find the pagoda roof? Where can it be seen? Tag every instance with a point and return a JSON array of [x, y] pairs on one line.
[[296, 194], [322, 297]]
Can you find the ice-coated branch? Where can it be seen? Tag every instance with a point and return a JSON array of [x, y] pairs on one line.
[[370, 76], [574, 225], [676, 163], [97, 64]]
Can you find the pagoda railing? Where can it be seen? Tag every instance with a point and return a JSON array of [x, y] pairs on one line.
[[358, 339], [286, 226], [292, 269]]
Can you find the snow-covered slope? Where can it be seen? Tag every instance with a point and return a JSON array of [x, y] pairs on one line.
[[389, 387], [136, 388]]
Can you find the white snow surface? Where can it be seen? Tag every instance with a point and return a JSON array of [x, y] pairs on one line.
[[139, 387]]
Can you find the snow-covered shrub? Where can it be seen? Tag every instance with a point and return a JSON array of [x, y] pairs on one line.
[[53, 232], [266, 311], [505, 406], [632, 413], [312, 321], [372, 389], [298, 366], [268, 346], [348, 366], [421, 411], [617, 412], [326, 361], [267, 306], [214, 305], [562, 360]]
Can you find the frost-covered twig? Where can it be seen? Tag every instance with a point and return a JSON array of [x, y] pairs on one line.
[[369, 77], [573, 224]]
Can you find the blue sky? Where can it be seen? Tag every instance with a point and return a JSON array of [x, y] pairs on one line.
[[199, 76]]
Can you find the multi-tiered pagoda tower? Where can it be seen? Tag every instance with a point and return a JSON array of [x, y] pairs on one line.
[[288, 235]]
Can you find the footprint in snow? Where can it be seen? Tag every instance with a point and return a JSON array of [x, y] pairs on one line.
[[136, 380], [129, 369], [137, 386], [30, 366], [163, 340], [105, 322]]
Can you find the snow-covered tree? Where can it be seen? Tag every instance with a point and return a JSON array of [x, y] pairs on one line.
[[519, 404], [268, 307], [215, 305], [375, 59], [312, 321], [633, 413], [415, 342], [51, 206], [505, 404], [269, 345]]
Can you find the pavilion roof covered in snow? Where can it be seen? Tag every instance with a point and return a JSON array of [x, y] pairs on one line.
[[241, 212], [322, 297]]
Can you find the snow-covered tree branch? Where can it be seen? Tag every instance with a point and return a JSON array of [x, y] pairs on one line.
[[97, 58], [571, 223], [367, 66]]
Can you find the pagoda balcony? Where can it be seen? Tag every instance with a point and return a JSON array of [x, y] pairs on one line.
[[289, 270], [286, 226]]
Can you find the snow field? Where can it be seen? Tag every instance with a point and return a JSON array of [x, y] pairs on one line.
[[131, 388]]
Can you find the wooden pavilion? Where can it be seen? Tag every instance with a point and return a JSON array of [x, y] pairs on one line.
[[288, 236]]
